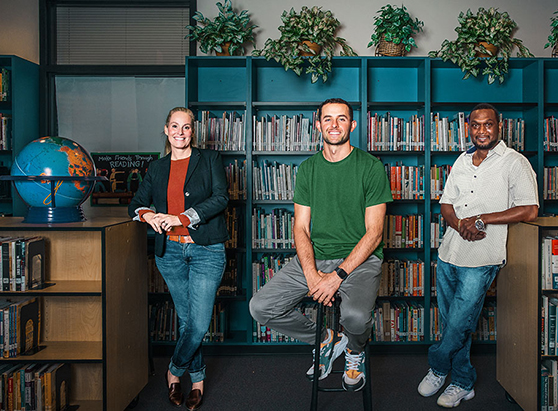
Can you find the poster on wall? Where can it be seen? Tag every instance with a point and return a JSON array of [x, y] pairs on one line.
[[124, 173]]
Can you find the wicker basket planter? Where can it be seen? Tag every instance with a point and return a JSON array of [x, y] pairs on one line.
[[387, 48]]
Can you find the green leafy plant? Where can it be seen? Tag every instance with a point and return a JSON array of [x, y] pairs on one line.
[[395, 25], [553, 38], [228, 26], [488, 26], [311, 24]]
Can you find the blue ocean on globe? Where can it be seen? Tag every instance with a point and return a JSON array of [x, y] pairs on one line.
[[53, 156]]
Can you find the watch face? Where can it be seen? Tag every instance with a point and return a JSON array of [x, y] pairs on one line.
[[479, 225]]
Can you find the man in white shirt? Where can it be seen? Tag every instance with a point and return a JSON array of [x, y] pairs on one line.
[[489, 187]]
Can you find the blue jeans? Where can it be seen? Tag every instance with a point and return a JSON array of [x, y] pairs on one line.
[[461, 292], [193, 274]]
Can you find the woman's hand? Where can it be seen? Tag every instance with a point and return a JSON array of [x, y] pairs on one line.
[[162, 222]]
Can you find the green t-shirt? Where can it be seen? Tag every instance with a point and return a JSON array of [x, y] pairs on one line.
[[338, 195]]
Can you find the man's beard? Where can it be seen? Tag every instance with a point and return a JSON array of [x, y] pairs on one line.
[[337, 143], [489, 146]]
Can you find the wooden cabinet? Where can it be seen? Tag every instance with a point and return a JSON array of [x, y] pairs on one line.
[[519, 312], [94, 316]]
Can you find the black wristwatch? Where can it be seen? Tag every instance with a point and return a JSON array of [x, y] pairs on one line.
[[342, 274]]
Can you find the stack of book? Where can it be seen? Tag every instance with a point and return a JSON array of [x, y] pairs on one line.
[[236, 177], [403, 231], [448, 135], [550, 141], [22, 263], [438, 178], [5, 84], [5, 131], [398, 321]]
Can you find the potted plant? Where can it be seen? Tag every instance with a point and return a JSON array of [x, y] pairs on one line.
[[553, 38], [311, 25], [228, 30], [394, 30], [471, 55]]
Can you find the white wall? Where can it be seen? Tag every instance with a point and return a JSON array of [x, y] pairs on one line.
[[19, 28], [439, 16]]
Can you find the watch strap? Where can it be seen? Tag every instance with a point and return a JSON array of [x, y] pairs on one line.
[[342, 274]]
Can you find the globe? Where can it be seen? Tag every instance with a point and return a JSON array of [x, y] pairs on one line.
[[60, 157]]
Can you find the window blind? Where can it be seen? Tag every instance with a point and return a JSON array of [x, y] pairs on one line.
[[120, 35]]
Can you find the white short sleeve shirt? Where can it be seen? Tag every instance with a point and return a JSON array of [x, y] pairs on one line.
[[504, 179]]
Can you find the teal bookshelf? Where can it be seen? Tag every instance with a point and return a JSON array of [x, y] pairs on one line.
[[402, 86], [22, 106]]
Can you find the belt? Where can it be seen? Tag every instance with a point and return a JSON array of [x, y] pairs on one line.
[[183, 239]]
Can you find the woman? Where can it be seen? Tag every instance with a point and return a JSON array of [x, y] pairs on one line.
[[188, 191]]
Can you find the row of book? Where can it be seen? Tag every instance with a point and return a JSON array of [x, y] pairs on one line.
[[550, 184], [236, 179], [549, 341], [549, 384], [35, 387], [449, 135], [406, 182], [549, 263], [22, 263], [403, 231], [20, 326], [398, 321], [5, 132], [284, 133], [226, 133], [273, 180], [5, 81], [233, 218], [391, 133], [402, 278], [164, 325], [272, 230], [550, 132], [385, 132]]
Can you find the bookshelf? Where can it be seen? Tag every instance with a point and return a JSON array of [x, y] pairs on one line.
[[93, 314], [520, 295], [402, 86], [22, 106]]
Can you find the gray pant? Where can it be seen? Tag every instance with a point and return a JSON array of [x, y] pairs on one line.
[[273, 305]]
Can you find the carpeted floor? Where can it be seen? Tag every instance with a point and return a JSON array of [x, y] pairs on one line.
[[278, 382]]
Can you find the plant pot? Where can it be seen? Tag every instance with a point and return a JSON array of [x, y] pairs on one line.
[[225, 48], [387, 48], [490, 47], [554, 51], [315, 47]]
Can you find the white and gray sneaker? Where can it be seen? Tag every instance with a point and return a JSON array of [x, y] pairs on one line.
[[431, 384], [330, 349], [452, 396]]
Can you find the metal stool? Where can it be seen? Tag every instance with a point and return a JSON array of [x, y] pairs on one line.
[[366, 390]]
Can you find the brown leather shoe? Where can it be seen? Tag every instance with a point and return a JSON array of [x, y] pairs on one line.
[[175, 392], [194, 400]]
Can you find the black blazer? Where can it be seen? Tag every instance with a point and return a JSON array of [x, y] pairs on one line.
[[205, 190]]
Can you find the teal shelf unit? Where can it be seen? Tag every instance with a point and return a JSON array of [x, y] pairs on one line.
[[403, 86], [23, 107]]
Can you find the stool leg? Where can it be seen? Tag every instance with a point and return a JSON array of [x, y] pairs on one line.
[[315, 386], [367, 391]]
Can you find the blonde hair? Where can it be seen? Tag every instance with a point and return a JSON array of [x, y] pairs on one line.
[[183, 110]]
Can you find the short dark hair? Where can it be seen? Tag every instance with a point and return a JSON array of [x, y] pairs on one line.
[[486, 106], [335, 101]]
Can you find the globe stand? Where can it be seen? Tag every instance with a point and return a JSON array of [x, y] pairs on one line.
[[53, 214]]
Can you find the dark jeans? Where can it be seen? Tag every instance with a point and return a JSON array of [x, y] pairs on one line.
[[193, 274]]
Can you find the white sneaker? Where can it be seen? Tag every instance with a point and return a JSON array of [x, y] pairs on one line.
[[452, 396], [431, 384]]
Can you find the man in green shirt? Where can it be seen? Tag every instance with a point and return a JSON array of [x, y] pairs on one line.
[[340, 203]]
